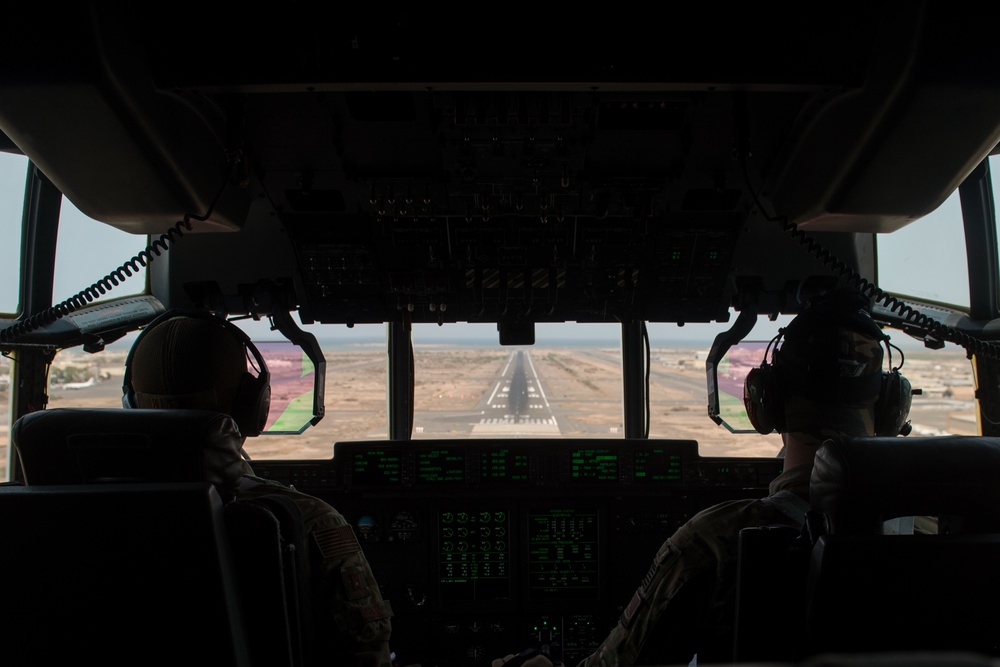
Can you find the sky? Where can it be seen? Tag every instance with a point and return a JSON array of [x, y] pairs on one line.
[[910, 261]]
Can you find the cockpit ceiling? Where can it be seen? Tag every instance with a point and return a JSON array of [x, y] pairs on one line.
[[141, 118], [517, 153]]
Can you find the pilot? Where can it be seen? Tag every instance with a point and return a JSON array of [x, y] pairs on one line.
[[201, 362], [827, 377]]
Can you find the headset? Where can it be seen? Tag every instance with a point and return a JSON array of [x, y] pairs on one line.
[[765, 387], [253, 396]]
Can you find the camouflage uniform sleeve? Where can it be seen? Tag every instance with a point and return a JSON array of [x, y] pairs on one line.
[[351, 621], [660, 611], [684, 604]]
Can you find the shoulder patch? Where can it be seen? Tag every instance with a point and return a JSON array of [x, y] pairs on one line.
[[357, 583], [336, 541]]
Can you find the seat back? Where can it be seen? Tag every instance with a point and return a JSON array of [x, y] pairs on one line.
[[111, 445], [869, 591], [848, 583], [120, 574], [267, 533], [771, 574], [904, 592], [154, 454], [860, 483]]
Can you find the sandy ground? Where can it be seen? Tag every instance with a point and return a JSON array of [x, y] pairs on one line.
[[583, 388]]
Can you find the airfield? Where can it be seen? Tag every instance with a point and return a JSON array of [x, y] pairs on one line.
[[558, 392]]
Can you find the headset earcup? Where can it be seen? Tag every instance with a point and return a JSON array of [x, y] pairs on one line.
[[758, 398], [251, 405], [892, 410]]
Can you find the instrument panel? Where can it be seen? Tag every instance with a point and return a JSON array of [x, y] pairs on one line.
[[487, 547]]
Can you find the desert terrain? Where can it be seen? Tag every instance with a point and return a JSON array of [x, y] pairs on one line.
[[581, 384]]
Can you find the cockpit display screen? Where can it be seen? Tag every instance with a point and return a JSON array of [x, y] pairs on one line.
[[440, 465], [563, 554], [376, 467], [596, 464], [661, 465], [503, 465], [474, 555]]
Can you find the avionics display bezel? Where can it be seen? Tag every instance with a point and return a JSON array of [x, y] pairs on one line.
[[557, 568], [441, 465], [484, 573], [659, 463], [376, 466], [595, 463], [503, 465]]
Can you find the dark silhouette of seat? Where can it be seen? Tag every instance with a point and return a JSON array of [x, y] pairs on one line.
[[118, 575], [130, 543], [858, 590], [771, 581], [109, 445], [267, 535]]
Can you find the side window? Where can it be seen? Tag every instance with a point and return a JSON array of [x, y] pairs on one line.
[[12, 177], [906, 256], [946, 404], [13, 169], [88, 251], [936, 240]]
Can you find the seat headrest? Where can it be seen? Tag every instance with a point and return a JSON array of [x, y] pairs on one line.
[[857, 483], [106, 445]]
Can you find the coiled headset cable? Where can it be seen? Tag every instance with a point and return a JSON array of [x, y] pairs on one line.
[[939, 330], [81, 299]]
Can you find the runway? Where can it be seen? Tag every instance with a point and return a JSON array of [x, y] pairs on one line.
[[517, 406]]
